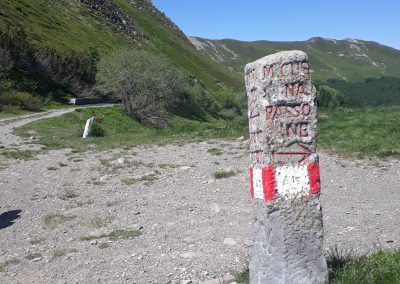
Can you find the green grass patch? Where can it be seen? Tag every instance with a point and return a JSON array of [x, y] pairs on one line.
[[167, 166], [115, 235], [18, 154], [148, 179], [124, 132], [53, 220], [36, 241], [99, 222], [32, 256], [215, 151], [129, 181], [14, 113], [69, 194], [5, 264], [364, 131], [382, 267], [62, 252], [124, 234], [224, 174]]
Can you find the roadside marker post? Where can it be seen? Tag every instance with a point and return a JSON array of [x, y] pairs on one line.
[[284, 171]]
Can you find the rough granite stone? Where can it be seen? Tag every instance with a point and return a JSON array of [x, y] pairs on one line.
[[287, 228]]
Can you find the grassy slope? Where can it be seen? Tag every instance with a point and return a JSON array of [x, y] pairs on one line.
[[121, 131], [323, 56], [62, 25], [366, 132], [180, 50], [66, 25]]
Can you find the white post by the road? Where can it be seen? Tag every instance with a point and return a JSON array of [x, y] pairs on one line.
[[88, 125]]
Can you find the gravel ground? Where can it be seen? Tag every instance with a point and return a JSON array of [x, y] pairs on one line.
[[58, 211]]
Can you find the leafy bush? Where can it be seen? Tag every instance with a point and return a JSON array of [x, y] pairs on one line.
[[329, 97], [97, 131], [195, 102], [23, 100], [148, 84]]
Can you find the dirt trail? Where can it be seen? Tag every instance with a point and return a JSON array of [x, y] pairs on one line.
[[193, 226], [7, 125]]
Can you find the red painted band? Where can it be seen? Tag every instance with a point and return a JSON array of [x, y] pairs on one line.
[[269, 183], [251, 184], [315, 182]]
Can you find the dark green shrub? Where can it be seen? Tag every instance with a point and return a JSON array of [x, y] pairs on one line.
[[329, 97], [20, 100], [146, 83], [97, 131]]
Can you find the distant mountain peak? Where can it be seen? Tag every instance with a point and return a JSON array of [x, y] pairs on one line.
[[348, 59]]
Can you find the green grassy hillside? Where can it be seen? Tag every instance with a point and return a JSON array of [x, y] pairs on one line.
[[349, 59], [71, 25]]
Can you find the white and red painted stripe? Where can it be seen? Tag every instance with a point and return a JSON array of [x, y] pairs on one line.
[[287, 181]]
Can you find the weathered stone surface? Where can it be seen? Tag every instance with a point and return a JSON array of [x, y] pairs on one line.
[[284, 172], [282, 112]]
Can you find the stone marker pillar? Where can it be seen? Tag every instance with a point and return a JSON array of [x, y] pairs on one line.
[[284, 172]]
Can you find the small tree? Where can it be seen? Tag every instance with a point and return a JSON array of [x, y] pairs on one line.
[[329, 97], [146, 83]]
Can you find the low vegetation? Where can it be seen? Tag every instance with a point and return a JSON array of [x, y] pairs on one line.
[[224, 174], [36, 241], [5, 264], [53, 220], [121, 131], [382, 267], [114, 235], [215, 151], [99, 222], [32, 256], [361, 131], [364, 131], [62, 252], [18, 154], [146, 83], [68, 194]]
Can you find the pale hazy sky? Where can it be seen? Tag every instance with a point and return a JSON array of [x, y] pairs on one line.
[[287, 20]]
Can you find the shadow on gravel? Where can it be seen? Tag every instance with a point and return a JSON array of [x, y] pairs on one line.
[[7, 218]]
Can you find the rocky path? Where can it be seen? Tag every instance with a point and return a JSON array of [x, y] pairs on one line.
[[159, 215]]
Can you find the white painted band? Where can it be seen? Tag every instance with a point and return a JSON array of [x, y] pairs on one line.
[[292, 181], [257, 183]]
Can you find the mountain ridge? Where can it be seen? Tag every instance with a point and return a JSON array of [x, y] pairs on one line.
[[348, 59]]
